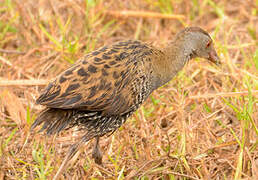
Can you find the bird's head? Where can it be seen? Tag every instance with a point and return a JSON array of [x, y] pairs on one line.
[[198, 43]]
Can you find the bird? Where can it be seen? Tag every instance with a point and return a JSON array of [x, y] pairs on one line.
[[101, 90]]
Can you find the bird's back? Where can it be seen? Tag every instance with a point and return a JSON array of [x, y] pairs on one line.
[[109, 82]]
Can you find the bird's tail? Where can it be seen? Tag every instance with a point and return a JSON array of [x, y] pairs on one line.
[[95, 125], [55, 120]]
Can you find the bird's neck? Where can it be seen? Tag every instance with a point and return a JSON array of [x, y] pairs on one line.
[[175, 57]]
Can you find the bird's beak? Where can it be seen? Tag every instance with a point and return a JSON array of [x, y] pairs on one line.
[[213, 57]]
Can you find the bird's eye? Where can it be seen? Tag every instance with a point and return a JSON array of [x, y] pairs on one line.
[[208, 44]]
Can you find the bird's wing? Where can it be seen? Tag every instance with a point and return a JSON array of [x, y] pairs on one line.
[[102, 81]]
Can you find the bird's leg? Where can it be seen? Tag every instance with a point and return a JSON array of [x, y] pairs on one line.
[[96, 153]]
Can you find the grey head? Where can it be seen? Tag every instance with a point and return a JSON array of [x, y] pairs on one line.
[[197, 43]]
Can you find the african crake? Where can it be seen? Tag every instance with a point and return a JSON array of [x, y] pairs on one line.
[[101, 90]]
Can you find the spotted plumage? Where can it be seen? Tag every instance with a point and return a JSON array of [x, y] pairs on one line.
[[102, 89], [103, 80]]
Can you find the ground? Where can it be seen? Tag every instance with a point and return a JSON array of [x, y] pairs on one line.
[[201, 125]]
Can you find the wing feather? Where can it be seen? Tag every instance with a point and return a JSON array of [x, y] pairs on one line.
[[101, 81]]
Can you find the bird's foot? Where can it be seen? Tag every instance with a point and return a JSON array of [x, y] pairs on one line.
[[96, 153]]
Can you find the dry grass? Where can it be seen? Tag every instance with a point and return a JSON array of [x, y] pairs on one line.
[[202, 125]]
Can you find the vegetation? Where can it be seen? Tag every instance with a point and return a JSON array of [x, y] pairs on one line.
[[201, 125]]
